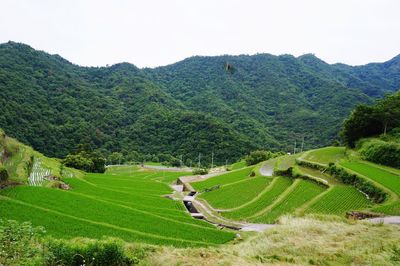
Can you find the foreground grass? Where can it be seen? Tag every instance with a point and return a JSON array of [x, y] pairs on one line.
[[311, 240]]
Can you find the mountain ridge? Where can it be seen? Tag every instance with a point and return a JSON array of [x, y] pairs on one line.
[[268, 102]]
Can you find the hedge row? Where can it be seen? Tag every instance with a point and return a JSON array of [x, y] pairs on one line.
[[312, 165], [297, 174]]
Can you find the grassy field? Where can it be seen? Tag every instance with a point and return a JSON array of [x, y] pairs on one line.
[[124, 203], [310, 240], [325, 155]]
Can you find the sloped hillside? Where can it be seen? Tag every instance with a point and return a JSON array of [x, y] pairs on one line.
[[27, 166], [191, 107]]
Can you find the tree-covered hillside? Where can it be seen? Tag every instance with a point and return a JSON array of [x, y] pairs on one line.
[[195, 106], [53, 105], [273, 99]]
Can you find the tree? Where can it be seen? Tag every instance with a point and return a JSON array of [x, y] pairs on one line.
[[366, 121], [115, 158], [257, 156], [78, 161]]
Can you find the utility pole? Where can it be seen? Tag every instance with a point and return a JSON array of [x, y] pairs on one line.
[[302, 144], [199, 159], [212, 160], [226, 164], [294, 149], [181, 160]]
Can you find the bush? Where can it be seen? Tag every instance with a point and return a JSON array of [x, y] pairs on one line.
[[200, 171], [20, 244], [3, 173], [100, 252], [78, 161], [257, 156], [89, 162], [382, 152]]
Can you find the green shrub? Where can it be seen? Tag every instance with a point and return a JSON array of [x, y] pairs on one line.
[[20, 244], [200, 171], [382, 152], [100, 252], [3, 173], [257, 156]]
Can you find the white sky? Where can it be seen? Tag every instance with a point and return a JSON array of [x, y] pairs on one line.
[[153, 33]]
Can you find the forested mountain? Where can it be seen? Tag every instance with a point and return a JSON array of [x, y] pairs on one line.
[[195, 106]]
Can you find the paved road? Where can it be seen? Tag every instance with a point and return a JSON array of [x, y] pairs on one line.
[[386, 220]]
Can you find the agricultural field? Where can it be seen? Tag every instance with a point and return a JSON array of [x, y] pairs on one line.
[[388, 179], [265, 198], [224, 179], [300, 192], [126, 203], [236, 194], [238, 165], [339, 200], [325, 155], [286, 161]]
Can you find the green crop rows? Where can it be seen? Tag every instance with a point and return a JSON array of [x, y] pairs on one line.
[[223, 179], [236, 194], [266, 198], [302, 192], [122, 203], [385, 178], [339, 200]]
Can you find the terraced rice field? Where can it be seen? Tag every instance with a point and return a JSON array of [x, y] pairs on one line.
[[123, 203], [325, 155], [286, 161], [38, 173], [301, 192], [238, 165], [236, 194], [383, 177], [339, 200], [265, 198], [224, 179]]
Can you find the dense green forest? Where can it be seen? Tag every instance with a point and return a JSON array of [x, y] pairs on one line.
[[375, 130], [191, 107]]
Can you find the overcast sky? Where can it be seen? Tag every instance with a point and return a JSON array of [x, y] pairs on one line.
[[153, 33]]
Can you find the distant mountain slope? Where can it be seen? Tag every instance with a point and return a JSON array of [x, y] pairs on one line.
[[284, 97], [191, 107], [53, 105]]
